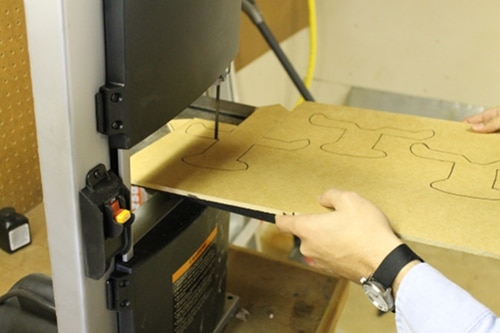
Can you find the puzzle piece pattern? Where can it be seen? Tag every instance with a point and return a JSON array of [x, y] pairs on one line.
[[461, 179], [285, 130]]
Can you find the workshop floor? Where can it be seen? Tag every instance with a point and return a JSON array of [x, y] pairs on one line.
[[358, 314], [478, 275]]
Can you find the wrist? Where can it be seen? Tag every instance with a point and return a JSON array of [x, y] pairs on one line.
[[381, 287], [383, 252]]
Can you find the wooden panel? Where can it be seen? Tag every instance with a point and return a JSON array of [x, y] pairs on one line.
[[284, 18], [437, 181], [20, 184]]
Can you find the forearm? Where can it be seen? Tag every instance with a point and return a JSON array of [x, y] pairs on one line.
[[428, 302]]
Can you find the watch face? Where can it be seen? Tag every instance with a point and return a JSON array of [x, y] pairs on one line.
[[380, 298]]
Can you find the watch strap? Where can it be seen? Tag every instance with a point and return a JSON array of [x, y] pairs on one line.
[[393, 263]]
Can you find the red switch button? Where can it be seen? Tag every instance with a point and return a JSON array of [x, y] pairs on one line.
[[121, 215]]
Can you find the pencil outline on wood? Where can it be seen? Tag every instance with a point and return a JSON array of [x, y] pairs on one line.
[[422, 150], [222, 163], [350, 129], [377, 133], [235, 164]]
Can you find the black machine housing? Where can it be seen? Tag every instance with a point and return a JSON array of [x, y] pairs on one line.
[[176, 280], [161, 55]]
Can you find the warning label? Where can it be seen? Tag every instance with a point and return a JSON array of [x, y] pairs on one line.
[[191, 283]]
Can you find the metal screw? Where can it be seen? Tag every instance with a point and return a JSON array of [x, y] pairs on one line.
[[116, 98], [117, 125], [125, 303]]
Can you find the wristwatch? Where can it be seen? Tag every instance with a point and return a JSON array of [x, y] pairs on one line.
[[378, 287]]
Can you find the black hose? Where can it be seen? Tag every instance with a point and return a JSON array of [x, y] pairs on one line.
[[273, 43], [250, 9]]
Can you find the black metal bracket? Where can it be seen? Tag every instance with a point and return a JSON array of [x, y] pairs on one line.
[[111, 119], [119, 292], [106, 220]]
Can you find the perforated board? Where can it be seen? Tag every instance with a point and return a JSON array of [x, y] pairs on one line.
[[20, 185]]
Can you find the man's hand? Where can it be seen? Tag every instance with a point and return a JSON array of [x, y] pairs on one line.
[[351, 240]]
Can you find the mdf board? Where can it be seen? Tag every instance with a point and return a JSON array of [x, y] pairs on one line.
[[438, 182], [20, 184]]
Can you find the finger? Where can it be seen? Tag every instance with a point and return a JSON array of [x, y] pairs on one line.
[[490, 126], [477, 118], [285, 223], [480, 122], [295, 224], [482, 116]]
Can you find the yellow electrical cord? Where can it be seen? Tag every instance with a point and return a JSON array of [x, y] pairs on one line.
[[311, 5]]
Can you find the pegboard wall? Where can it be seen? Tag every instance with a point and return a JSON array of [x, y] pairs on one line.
[[20, 184]]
